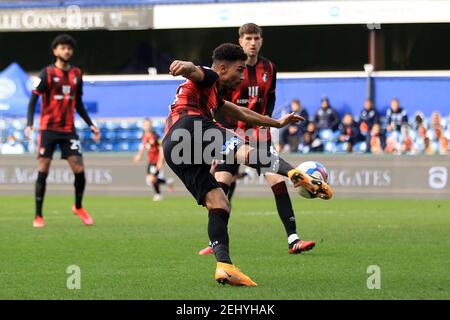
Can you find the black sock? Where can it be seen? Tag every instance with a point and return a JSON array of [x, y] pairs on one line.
[[231, 190], [80, 184], [40, 186], [161, 181], [156, 187], [284, 207], [269, 162], [224, 187], [218, 234]]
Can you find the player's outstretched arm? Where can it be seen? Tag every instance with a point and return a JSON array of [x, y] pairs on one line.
[[187, 70], [254, 118], [30, 115]]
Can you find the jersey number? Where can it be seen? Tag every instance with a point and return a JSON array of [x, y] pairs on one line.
[[75, 144]]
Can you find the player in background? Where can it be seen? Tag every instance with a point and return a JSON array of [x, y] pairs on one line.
[[191, 118], [150, 142], [60, 86], [257, 93]]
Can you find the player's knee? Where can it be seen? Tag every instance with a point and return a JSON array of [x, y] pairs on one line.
[[44, 165], [274, 179], [77, 168], [224, 177]]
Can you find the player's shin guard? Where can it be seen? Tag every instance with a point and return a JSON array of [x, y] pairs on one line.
[[40, 187], [218, 234], [284, 207], [269, 162], [79, 184]]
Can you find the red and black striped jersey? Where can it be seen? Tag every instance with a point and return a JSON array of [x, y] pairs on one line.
[[256, 92], [150, 141], [196, 99], [59, 90]]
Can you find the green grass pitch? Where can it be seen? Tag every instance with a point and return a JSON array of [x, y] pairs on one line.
[[139, 249]]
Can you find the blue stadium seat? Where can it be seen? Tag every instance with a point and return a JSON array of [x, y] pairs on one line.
[[108, 134], [106, 146], [19, 134], [85, 134], [326, 135], [341, 147], [159, 131], [419, 145], [134, 146], [136, 134], [360, 147], [329, 146], [18, 124], [90, 146], [108, 125], [80, 124], [124, 124], [122, 134], [444, 122], [134, 125]]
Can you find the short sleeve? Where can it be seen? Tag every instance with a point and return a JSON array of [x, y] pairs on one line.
[[209, 79]]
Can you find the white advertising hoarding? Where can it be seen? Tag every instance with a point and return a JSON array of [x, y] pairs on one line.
[[286, 13]]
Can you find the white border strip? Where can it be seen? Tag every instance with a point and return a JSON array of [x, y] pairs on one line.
[[283, 13], [281, 75]]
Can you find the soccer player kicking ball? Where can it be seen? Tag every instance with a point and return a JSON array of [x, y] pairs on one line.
[[191, 136], [257, 92], [61, 88]]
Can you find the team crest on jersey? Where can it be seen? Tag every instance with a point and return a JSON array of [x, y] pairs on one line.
[[264, 77], [35, 82], [56, 79], [75, 80], [66, 89]]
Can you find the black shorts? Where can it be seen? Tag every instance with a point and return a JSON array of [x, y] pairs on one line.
[[187, 160], [232, 168], [69, 144], [151, 169]]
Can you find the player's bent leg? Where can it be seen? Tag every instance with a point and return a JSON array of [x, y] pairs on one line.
[[77, 166], [286, 212], [40, 187], [269, 162], [224, 177], [155, 183]]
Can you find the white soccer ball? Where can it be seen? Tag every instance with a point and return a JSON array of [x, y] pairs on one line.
[[316, 170]]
